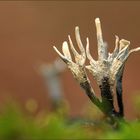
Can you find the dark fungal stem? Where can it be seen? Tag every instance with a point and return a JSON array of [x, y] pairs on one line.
[[119, 92], [88, 89], [107, 97], [106, 105]]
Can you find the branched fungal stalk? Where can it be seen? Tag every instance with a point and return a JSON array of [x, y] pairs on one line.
[[107, 70]]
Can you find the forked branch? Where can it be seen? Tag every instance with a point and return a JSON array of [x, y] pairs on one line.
[[78, 67]]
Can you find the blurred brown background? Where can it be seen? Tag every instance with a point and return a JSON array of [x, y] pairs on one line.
[[28, 30]]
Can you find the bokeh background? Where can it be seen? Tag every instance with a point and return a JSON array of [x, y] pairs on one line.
[[28, 30]]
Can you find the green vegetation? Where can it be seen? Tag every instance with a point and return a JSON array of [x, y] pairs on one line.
[[17, 125]]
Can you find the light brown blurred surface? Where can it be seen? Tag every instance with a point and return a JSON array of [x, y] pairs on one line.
[[28, 30]]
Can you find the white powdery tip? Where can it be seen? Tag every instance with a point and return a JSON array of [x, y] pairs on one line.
[[116, 37], [87, 39], [65, 47], [137, 49], [54, 48], [65, 44], [97, 20], [88, 67], [125, 42], [77, 28], [134, 50]]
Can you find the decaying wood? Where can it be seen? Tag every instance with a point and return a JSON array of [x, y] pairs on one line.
[[107, 70]]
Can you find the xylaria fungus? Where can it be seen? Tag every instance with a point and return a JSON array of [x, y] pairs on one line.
[[107, 70]]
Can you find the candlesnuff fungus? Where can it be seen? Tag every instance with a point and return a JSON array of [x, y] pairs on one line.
[[107, 70]]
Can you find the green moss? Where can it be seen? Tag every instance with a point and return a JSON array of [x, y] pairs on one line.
[[16, 125]]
